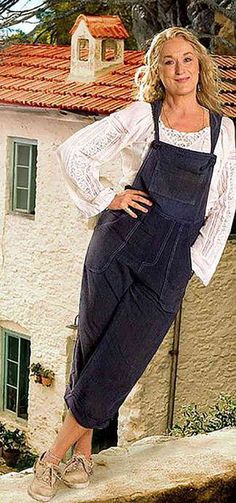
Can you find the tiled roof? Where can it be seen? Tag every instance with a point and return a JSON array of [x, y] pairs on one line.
[[35, 75], [102, 26]]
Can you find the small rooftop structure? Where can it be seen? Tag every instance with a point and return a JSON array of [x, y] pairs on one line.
[[97, 45]]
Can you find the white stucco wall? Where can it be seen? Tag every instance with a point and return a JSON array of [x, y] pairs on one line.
[[41, 261]]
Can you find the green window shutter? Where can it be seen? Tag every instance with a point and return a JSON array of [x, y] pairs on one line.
[[16, 375], [22, 410], [33, 179], [24, 176]]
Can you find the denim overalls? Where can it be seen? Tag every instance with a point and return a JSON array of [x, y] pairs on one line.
[[135, 275]]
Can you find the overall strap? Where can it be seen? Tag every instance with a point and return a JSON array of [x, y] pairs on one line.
[[215, 124], [156, 107]]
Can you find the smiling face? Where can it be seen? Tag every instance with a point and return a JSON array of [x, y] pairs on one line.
[[178, 66]]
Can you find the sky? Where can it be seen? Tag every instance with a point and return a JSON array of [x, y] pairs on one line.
[[25, 5]]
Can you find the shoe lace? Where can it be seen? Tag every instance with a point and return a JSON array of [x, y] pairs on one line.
[[49, 475], [76, 460]]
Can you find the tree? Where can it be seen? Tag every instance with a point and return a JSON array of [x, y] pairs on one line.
[[10, 17], [142, 19]]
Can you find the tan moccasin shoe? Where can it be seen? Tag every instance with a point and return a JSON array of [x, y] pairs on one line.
[[46, 479], [77, 471]]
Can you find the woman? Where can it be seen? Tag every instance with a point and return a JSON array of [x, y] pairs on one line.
[[172, 219]]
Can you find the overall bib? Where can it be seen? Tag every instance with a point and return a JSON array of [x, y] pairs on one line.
[[135, 275]]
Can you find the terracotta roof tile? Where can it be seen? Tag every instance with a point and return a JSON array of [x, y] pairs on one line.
[[228, 86], [102, 26], [35, 75], [226, 61], [229, 73]]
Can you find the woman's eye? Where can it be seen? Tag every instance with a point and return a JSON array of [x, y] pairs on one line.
[[169, 61]]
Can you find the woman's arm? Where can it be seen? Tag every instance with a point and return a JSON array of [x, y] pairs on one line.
[[82, 155], [207, 249]]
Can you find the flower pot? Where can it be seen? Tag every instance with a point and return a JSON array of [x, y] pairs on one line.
[[38, 378], [46, 381], [11, 456]]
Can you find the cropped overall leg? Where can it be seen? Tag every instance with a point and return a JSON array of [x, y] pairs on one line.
[[121, 326], [122, 321]]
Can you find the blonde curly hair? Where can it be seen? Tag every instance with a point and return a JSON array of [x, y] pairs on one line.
[[147, 77]]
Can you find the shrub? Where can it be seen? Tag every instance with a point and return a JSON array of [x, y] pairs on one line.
[[25, 460], [219, 416], [13, 439], [2, 431], [16, 439]]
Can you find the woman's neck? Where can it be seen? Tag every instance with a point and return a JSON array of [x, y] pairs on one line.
[[184, 113], [181, 105]]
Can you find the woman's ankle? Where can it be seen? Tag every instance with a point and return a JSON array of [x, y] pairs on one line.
[[86, 454], [84, 445], [50, 457]]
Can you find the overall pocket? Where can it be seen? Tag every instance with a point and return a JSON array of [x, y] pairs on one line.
[[180, 176], [108, 239], [178, 184]]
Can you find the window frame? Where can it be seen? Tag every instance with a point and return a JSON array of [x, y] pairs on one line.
[[104, 43], [4, 352], [80, 41], [14, 141]]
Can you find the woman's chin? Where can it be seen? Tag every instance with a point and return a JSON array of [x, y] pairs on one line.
[[182, 91]]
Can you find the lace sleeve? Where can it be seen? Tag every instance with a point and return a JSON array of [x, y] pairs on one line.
[[210, 243], [81, 157]]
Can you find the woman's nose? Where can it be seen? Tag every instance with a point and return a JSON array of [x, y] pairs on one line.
[[178, 67]]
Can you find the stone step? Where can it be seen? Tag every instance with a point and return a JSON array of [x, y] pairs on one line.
[[160, 469]]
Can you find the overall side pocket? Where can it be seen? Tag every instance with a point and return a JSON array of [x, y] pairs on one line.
[[107, 241]]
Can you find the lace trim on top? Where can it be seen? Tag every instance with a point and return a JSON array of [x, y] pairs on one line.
[[80, 166], [183, 138]]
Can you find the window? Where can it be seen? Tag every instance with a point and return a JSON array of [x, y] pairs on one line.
[[16, 356], [24, 176], [83, 49], [109, 49]]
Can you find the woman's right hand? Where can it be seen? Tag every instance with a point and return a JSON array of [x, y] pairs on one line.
[[129, 197]]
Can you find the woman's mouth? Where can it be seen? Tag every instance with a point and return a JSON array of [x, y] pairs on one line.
[[182, 80]]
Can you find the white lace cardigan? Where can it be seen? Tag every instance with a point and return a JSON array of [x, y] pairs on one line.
[[128, 132]]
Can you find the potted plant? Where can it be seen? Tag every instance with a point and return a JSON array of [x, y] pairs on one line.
[[47, 376], [13, 441], [36, 369]]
